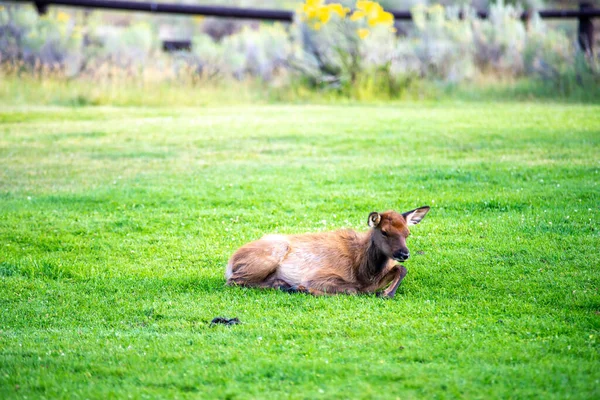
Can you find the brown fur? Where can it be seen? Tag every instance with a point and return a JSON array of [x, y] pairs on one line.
[[342, 261]]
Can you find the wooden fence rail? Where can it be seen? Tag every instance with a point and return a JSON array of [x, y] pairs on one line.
[[585, 14]]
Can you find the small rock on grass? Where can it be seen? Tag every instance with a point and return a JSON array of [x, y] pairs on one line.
[[224, 321]]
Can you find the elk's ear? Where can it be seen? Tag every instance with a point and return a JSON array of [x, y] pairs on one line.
[[374, 219], [415, 216]]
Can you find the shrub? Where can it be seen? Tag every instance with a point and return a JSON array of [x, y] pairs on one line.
[[260, 53], [47, 41], [349, 51]]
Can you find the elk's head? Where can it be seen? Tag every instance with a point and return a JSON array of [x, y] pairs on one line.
[[390, 230]]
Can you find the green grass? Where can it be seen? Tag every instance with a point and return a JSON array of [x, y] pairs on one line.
[[27, 90], [116, 224]]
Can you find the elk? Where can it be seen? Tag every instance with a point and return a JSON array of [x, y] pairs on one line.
[[342, 261]]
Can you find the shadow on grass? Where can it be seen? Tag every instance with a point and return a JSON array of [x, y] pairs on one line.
[[48, 274], [47, 271]]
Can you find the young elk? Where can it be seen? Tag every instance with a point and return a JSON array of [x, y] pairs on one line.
[[342, 261]]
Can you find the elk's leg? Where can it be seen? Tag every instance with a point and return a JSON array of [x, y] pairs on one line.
[[330, 291], [255, 264], [328, 285], [280, 284], [397, 273], [269, 283], [385, 278], [237, 282]]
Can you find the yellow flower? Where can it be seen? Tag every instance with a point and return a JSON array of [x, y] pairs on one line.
[[311, 8], [373, 12], [382, 18], [318, 14], [323, 14], [198, 18], [363, 33], [62, 17], [338, 9], [356, 15], [368, 6]]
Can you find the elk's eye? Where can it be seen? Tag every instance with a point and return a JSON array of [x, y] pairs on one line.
[[384, 233]]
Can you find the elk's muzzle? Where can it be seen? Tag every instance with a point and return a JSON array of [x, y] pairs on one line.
[[401, 255]]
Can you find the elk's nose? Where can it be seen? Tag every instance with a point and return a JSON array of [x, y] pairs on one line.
[[401, 255]]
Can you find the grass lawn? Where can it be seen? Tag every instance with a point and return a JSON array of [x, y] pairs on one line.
[[116, 224]]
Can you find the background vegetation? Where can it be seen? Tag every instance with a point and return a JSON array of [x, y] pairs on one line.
[[325, 53]]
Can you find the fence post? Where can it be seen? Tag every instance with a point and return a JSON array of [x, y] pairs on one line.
[[41, 7], [585, 35]]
